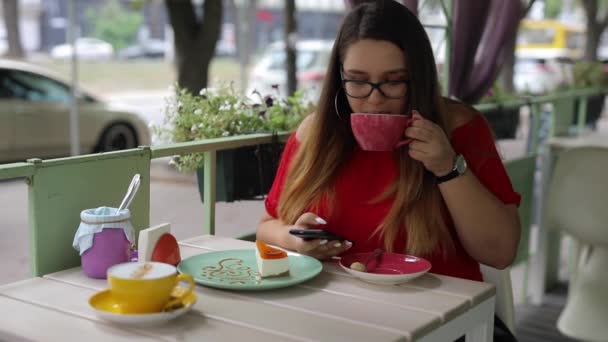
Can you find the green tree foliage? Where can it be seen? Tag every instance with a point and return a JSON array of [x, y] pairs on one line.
[[553, 8], [115, 24]]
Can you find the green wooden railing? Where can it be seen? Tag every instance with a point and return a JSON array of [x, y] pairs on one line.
[[59, 189]]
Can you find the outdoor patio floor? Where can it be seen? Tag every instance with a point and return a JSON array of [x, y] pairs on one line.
[[538, 323]]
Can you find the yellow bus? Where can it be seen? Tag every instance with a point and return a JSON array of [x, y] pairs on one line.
[[549, 39]]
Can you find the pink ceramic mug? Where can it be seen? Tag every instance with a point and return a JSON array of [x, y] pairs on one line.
[[380, 132]]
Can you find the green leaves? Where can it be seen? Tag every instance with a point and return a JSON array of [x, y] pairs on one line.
[[115, 24], [589, 74], [222, 112]]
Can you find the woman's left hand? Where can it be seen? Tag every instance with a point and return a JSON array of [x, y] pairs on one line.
[[430, 145]]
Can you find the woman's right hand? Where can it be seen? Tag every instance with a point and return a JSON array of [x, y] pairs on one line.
[[319, 249]]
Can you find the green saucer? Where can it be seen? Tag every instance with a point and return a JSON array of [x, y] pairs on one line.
[[236, 269]]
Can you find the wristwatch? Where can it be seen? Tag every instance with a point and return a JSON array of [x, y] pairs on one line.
[[460, 167]]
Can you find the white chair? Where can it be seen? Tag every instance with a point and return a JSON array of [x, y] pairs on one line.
[[577, 205], [505, 310]]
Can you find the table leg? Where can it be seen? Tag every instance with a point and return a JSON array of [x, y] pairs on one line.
[[484, 331], [477, 324]]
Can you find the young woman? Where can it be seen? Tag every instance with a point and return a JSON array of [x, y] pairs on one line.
[[445, 196]]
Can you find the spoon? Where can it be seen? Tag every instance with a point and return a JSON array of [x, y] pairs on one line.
[[364, 266], [377, 253], [133, 187]]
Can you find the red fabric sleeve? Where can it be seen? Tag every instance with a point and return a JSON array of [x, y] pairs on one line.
[[272, 200], [475, 142]]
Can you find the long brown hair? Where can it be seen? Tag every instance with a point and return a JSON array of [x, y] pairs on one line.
[[329, 140]]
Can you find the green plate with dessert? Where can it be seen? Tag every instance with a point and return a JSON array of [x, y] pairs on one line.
[[245, 269]]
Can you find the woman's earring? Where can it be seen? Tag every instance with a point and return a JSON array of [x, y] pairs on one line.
[[336, 104]]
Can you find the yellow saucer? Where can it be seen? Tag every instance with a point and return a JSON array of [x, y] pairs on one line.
[[109, 309]]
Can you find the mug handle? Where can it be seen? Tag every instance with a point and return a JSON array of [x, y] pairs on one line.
[[403, 142], [409, 140], [179, 293]]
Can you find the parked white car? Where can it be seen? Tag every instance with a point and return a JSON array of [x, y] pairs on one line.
[[312, 61], [86, 48], [35, 117], [151, 48]]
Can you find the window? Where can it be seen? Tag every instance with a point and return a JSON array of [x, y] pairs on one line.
[[32, 87], [535, 36], [575, 40]]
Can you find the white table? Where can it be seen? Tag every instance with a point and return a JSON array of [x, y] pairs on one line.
[[332, 306], [544, 262]]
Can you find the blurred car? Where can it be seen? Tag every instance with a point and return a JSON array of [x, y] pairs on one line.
[[225, 48], [35, 117], [312, 60], [153, 48], [540, 76], [86, 48]]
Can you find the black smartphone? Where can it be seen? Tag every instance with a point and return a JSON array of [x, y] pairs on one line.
[[314, 234]]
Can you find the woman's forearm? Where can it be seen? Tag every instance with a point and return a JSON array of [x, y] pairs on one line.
[[275, 232], [488, 229]]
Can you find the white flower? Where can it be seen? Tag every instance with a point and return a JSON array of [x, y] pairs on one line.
[[198, 111], [193, 129], [225, 134], [203, 91], [225, 107]]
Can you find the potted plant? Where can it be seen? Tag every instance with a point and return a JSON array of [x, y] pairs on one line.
[[590, 75], [245, 172], [503, 121]]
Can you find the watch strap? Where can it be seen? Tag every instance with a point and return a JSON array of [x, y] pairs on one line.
[[457, 170], [451, 175]]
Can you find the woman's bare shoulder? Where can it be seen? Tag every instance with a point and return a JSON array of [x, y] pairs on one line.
[[304, 127], [458, 113]]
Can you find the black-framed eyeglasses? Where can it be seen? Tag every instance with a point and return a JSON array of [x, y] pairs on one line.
[[362, 89]]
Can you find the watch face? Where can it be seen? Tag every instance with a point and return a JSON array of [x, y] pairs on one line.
[[461, 164]]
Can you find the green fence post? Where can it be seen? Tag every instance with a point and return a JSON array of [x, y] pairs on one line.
[[535, 112], [210, 168], [582, 114]]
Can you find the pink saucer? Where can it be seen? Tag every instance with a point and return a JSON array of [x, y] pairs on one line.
[[391, 268]]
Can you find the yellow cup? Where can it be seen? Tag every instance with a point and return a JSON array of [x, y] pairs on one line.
[[147, 287]]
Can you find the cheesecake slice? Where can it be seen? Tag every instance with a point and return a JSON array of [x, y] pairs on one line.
[[272, 262]]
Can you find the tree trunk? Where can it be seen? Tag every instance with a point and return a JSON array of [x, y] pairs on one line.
[[195, 40], [238, 26], [508, 69], [290, 45], [155, 23], [595, 27], [11, 20], [244, 17], [593, 40], [252, 24]]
